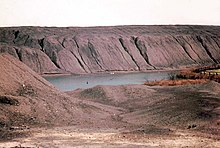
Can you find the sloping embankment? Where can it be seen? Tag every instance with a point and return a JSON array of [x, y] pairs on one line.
[[119, 48]]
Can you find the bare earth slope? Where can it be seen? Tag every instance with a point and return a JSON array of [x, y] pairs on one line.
[[119, 48], [28, 99], [177, 106], [138, 116], [130, 115]]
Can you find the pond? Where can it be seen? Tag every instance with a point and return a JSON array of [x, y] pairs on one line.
[[72, 82]]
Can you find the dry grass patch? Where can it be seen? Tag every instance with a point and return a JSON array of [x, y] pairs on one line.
[[176, 82]]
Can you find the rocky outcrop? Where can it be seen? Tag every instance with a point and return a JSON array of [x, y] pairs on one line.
[[119, 48]]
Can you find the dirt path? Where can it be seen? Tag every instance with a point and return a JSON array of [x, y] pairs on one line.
[[64, 137]]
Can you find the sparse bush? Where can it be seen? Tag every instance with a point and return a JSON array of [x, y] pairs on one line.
[[26, 90], [172, 76]]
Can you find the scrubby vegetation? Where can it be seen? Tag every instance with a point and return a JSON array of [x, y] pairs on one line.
[[193, 76], [215, 76]]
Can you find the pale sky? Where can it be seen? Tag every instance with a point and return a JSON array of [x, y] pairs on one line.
[[108, 12]]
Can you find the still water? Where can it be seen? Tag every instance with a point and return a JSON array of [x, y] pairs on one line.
[[72, 82]]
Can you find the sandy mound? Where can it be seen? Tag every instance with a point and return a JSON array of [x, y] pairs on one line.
[[190, 106]]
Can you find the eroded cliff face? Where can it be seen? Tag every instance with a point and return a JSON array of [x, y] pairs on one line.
[[120, 48]]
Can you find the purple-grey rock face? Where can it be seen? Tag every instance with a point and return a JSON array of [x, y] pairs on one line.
[[120, 48]]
